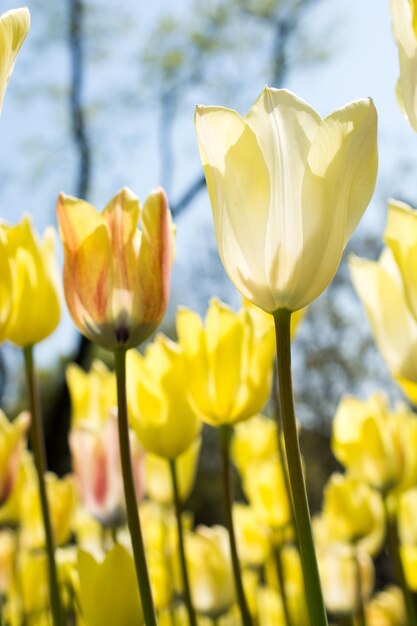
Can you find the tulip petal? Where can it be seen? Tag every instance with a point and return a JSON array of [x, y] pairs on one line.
[[14, 26]]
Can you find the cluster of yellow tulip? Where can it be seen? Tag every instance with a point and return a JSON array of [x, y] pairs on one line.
[[111, 543]]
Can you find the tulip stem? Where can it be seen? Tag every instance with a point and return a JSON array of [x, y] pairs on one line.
[[39, 453], [186, 582], [318, 617], [133, 520], [394, 552], [225, 435], [281, 580]]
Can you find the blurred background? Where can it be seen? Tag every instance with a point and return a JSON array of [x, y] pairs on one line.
[[103, 96]]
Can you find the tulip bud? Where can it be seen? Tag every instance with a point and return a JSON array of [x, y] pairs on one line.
[[14, 26], [93, 394]]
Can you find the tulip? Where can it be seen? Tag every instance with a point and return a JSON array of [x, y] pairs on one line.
[[8, 550], [111, 580], [160, 410], [93, 394], [116, 278], [12, 442], [407, 531], [210, 567], [353, 513], [401, 237], [404, 26], [379, 286], [96, 462], [14, 26], [35, 308], [376, 445], [253, 537], [253, 441], [387, 608], [229, 362], [157, 477], [267, 173]]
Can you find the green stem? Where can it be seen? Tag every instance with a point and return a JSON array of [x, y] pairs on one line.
[[133, 520], [318, 616], [225, 434], [39, 454], [281, 581], [394, 552], [186, 583]]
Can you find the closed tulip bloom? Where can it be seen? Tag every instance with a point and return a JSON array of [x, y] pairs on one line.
[[157, 476], [14, 26], [387, 608], [401, 237], [116, 277], [404, 26], [8, 550], [230, 362], [353, 513], [287, 190], [35, 305], [12, 443], [375, 444], [93, 394], [157, 389], [253, 441], [407, 530], [380, 287], [253, 538], [210, 568]]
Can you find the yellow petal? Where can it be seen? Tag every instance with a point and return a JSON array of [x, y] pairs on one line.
[[14, 26]]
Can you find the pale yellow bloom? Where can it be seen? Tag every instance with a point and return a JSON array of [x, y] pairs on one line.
[[229, 362], [93, 394], [404, 26], [210, 570], [62, 500], [353, 513], [343, 573], [264, 486], [14, 26], [108, 588], [379, 286], [35, 308], [160, 410], [374, 444], [252, 536], [157, 475], [254, 440], [12, 443], [407, 530], [387, 608], [117, 277], [287, 190], [401, 237]]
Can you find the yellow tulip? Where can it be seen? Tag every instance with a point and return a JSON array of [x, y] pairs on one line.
[[376, 445], [353, 513], [268, 173], [7, 285], [116, 277], [35, 309], [401, 237], [404, 26], [343, 573], [254, 440], [379, 286], [407, 531], [253, 538], [62, 501], [108, 588], [14, 26], [229, 362], [387, 608], [159, 405], [93, 394], [12, 442], [8, 551], [264, 486], [210, 570], [157, 475]]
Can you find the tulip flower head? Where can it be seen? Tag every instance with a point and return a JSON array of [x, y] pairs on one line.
[[404, 27], [14, 26], [287, 190], [116, 277], [12, 441]]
